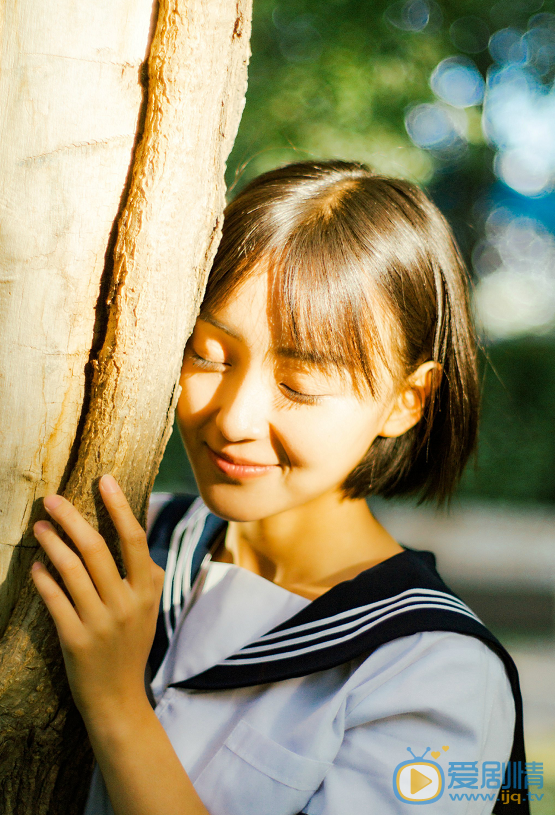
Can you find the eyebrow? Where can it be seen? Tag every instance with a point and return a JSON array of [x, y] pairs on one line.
[[208, 318], [307, 357]]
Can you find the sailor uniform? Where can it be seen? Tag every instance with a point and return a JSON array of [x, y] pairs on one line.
[[276, 705]]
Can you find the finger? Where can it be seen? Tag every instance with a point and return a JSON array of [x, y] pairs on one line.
[[65, 617], [98, 558], [72, 571], [134, 546]]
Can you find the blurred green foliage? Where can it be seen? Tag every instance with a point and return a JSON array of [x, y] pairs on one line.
[[516, 454], [334, 79], [331, 80]]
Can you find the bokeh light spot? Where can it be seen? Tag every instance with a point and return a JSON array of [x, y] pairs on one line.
[[519, 120], [458, 82], [299, 39], [436, 127], [540, 48], [508, 46], [516, 266], [525, 171], [412, 15]]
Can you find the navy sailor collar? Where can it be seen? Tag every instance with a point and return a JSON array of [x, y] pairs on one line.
[[401, 596]]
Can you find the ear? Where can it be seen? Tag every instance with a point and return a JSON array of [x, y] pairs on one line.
[[409, 404]]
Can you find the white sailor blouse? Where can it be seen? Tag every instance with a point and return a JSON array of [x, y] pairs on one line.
[[385, 691]]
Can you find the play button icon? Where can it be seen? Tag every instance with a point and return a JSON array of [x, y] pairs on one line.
[[418, 781]]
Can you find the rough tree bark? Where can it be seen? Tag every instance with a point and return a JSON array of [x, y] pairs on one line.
[[92, 345]]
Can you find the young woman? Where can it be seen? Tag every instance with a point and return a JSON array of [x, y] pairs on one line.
[[300, 650]]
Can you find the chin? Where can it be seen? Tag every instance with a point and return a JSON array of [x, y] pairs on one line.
[[233, 503]]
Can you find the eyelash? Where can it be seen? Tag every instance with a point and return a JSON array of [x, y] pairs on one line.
[[205, 364], [295, 396], [301, 398]]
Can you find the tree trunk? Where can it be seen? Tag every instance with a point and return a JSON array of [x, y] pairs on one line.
[[94, 319]]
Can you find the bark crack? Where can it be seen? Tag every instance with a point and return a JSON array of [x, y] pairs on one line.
[[83, 59], [79, 146], [103, 302]]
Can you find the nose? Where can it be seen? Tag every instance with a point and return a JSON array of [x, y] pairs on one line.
[[244, 407]]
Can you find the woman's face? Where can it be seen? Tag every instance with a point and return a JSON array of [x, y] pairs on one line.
[[265, 431]]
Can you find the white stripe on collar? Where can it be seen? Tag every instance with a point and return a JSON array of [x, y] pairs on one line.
[[177, 581], [330, 631], [238, 659], [352, 612]]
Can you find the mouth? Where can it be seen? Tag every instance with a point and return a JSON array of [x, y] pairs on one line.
[[238, 468]]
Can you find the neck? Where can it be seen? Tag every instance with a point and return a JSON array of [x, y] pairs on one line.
[[311, 548]]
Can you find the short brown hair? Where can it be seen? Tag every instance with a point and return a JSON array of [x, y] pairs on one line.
[[345, 246]]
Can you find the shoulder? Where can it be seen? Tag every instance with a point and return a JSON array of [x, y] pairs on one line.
[[461, 659], [440, 694], [445, 661], [438, 676]]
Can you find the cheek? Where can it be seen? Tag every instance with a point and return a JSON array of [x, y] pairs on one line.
[[328, 438], [197, 395]]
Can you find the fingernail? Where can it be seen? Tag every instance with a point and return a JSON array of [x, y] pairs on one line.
[[42, 526], [52, 501], [109, 483], [36, 567]]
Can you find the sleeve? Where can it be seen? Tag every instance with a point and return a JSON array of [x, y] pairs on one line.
[[443, 691]]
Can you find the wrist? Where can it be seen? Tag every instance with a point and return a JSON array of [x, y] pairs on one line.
[[118, 721]]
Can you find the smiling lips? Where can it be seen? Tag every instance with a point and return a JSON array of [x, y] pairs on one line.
[[237, 468]]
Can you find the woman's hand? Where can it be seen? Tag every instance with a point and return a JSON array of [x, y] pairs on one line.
[[107, 634]]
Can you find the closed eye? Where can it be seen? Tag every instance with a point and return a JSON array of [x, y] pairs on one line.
[[206, 364], [302, 398]]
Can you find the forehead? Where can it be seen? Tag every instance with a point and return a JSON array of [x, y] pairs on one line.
[[243, 313], [251, 315]]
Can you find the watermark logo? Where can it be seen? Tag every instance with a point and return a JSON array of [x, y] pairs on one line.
[[419, 781], [422, 781]]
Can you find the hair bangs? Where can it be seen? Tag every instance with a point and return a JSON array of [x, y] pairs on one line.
[[319, 307]]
